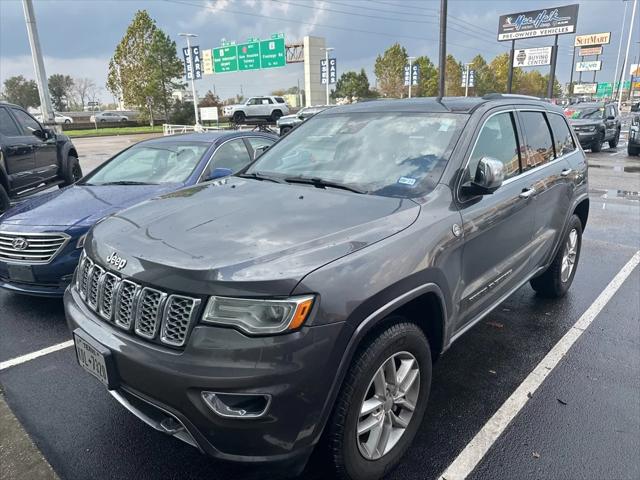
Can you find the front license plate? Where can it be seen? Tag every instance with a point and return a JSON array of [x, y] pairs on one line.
[[20, 273], [92, 360]]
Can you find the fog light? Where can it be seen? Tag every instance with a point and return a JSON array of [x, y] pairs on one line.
[[237, 405]]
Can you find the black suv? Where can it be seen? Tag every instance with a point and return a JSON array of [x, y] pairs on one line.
[[595, 123], [304, 300], [32, 157]]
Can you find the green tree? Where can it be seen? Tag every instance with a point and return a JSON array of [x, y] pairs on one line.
[[145, 65], [21, 91], [182, 113], [389, 70], [61, 90], [428, 79], [484, 79], [352, 84], [453, 77], [210, 99]]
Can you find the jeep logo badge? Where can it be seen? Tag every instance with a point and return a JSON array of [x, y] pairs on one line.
[[116, 261], [20, 243]]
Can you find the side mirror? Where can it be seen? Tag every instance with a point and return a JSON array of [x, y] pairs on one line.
[[489, 177], [219, 173], [259, 151]]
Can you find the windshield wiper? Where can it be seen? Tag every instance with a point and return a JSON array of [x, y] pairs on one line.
[[126, 182], [320, 183], [260, 176]]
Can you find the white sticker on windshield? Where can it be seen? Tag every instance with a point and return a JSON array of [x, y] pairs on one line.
[[406, 181], [445, 124]]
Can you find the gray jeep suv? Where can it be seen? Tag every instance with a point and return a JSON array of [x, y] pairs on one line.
[[302, 302]]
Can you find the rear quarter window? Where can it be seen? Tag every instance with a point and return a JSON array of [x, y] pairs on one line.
[[279, 99], [561, 135]]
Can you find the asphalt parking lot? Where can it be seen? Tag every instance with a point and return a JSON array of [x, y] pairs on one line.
[[582, 421]]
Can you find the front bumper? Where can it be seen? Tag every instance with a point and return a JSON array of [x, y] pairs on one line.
[[296, 370], [587, 138]]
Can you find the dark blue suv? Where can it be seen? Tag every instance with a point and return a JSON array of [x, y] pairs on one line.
[[41, 238]]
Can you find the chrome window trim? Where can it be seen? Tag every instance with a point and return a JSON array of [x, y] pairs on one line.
[[194, 308], [66, 238], [526, 172], [138, 311]]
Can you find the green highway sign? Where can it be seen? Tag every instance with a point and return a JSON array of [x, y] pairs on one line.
[[605, 89], [272, 53], [225, 59], [249, 56]]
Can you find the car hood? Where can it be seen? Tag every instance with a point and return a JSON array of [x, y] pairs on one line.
[[241, 235], [580, 122], [80, 204]]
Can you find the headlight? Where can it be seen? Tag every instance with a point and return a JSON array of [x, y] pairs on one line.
[[80, 242], [257, 316]]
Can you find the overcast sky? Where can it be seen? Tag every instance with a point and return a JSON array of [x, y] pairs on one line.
[[78, 37]]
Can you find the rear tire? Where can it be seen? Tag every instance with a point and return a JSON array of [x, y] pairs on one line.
[[4, 200], [557, 278], [71, 171], [596, 146], [275, 115], [613, 143], [375, 452]]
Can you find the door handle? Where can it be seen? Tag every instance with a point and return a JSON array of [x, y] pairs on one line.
[[566, 172], [530, 192]]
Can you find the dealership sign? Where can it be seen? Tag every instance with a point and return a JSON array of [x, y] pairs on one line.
[[192, 63], [592, 66], [532, 57], [587, 51], [585, 88], [592, 39], [538, 23]]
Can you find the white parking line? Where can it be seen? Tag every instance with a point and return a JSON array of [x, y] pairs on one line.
[[33, 355], [473, 453]]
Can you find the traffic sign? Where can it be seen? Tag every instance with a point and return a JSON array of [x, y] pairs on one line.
[[272, 53], [249, 56], [225, 59]]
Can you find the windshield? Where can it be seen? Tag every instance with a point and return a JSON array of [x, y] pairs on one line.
[[592, 113], [393, 154], [166, 162]]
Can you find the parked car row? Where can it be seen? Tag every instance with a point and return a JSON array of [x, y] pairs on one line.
[[301, 302]]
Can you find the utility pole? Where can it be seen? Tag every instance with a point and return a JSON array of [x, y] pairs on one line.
[[573, 64], [552, 73], [38, 63], [510, 75], [188, 36], [443, 48], [411, 59], [466, 79], [626, 55], [326, 63], [615, 72]]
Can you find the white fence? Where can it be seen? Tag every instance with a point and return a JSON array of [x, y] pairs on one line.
[[169, 129]]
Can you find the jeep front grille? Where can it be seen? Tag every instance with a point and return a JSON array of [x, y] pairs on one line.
[[31, 247], [147, 312]]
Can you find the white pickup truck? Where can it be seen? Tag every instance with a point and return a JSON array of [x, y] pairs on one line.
[[269, 108]]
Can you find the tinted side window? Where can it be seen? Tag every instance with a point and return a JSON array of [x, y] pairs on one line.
[[7, 126], [561, 135], [279, 99], [26, 120], [232, 155], [538, 146], [497, 140]]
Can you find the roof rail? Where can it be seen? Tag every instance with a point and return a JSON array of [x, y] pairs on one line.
[[495, 96]]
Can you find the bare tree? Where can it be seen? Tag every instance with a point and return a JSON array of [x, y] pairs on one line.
[[83, 89]]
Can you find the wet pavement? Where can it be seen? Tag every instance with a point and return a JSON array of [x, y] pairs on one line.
[[583, 421]]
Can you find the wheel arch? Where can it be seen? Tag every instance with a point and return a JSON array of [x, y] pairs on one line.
[[582, 211]]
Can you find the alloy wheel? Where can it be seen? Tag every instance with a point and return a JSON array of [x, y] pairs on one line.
[[388, 405], [569, 256]]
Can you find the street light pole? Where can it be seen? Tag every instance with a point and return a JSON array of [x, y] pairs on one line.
[[326, 64], [466, 79], [626, 55], [443, 48], [38, 63], [188, 36], [615, 72]]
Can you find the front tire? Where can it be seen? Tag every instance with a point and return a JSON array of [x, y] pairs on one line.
[[613, 143], [71, 171], [381, 403], [596, 146], [285, 130], [275, 115], [4, 200], [557, 278]]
